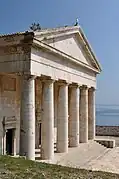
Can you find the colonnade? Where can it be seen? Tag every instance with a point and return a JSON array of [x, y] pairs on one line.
[[75, 124]]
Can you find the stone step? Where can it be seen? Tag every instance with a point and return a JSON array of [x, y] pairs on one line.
[[85, 152], [38, 152], [109, 143], [81, 155]]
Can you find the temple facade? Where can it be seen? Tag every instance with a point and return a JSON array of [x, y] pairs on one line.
[[47, 91]]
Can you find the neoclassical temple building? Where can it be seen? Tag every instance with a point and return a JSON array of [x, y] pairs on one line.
[[47, 91]]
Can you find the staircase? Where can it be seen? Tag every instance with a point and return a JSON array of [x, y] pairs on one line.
[[38, 152]]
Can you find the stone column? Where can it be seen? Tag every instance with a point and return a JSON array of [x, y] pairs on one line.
[[62, 118], [55, 112], [83, 117], [27, 115], [91, 114], [74, 116], [47, 130]]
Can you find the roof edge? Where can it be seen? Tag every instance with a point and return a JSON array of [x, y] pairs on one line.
[[90, 49], [18, 34]]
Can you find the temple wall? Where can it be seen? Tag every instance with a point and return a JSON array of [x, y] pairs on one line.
[[10, 106]]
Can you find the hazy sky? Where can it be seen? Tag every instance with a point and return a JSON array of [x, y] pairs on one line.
[[98, 18]]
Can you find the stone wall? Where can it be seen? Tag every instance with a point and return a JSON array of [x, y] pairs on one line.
[[107, 130], [10, 105]]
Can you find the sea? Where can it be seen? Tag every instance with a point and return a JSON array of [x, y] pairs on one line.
[[107, 115]]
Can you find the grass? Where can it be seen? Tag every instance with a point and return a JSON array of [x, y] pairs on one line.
[[19, 168]]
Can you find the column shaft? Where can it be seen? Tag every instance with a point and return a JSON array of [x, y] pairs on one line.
[[47, 136], [74, 117], [83, 117], [62, 119], [91, 114], [55, 111], [27, 140]]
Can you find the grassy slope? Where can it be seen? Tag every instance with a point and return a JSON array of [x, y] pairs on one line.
[[18, 168]]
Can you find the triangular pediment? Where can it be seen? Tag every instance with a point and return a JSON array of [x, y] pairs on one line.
[[71, 42]]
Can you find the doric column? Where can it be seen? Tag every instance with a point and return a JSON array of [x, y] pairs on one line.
[[55, 111], [74, 116], [47, 136], [27, 114], [62, 118], [83, 117], [91, 114]]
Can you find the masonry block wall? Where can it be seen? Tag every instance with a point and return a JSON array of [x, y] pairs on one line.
[[107, 131], [10, 106]]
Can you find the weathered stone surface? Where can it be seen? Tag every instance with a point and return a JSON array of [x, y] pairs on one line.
[[107, 131], [109, 143], [83, 115], [66, 60]]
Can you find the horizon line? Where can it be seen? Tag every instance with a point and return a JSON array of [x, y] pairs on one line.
[[107, 104]]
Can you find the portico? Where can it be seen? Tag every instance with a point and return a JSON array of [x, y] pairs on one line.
[[55, 74]]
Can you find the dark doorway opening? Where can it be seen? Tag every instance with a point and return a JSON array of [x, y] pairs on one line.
[[9, 141]]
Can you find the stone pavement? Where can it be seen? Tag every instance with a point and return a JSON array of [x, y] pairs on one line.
[[92, 156], [108, 162]]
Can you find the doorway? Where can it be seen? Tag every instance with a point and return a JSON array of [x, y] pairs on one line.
[[9, 141]]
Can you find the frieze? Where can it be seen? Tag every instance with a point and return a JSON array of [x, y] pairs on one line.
[[14, 50], [8, 39]]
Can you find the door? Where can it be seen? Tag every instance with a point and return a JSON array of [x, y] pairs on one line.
[[9, 141]]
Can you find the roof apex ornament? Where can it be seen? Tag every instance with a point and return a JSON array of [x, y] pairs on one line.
[[35, 27], [77, 22]]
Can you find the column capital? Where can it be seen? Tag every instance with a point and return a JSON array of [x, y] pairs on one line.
[[92, 89], [74, 85], [62, 83], [84, 87], [49, 81], [28, 77], [46, 79]]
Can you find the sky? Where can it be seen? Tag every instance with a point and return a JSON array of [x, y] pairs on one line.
[[99, 20]]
